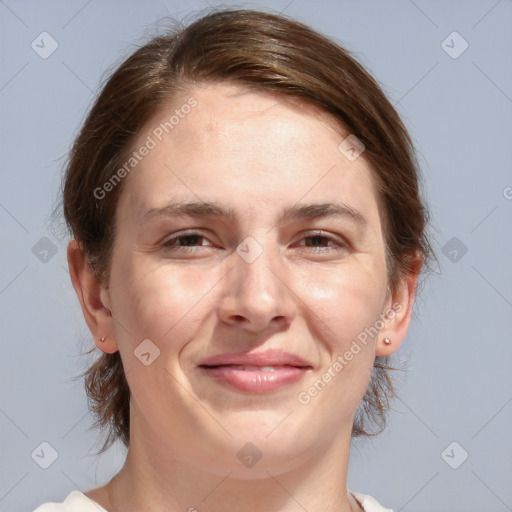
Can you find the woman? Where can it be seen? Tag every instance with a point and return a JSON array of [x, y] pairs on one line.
[[248, 235]]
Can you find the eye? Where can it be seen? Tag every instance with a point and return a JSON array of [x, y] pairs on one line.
[[319, 239], [192, 241], [185, 242]]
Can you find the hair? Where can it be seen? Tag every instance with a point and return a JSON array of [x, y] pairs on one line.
[[267, 52]]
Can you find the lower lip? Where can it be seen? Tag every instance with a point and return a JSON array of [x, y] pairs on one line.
[[256, 381]]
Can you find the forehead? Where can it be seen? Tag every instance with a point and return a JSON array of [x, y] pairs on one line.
[[226, 109], [249, 147]]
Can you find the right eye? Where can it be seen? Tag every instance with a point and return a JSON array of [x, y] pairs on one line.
[[185, 241]]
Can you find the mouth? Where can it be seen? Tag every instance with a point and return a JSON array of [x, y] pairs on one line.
[[272, 357], [253, 368], [257, 373]]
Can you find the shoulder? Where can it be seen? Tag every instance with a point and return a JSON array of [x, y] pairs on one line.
[[76, 501], [368, 503]]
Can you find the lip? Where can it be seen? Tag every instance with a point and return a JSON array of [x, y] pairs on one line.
[[269, 357], [228, 369]]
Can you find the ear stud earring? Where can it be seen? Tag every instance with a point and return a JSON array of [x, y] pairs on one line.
[[387, 341], [102, 339]]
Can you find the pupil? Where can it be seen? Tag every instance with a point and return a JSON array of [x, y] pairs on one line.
[[316, 239], [188, 237]]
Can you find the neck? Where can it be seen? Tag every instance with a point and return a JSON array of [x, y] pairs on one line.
[[150, 477]]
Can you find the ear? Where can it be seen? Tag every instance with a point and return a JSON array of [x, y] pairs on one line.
[[93, 299], [397, 313]]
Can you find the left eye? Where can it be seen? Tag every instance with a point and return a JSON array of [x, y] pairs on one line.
[[319, 238]]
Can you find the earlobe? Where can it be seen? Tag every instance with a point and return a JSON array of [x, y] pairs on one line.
[[397, 315], [89, 292]]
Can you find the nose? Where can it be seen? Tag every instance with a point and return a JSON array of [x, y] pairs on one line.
[[258, 295]]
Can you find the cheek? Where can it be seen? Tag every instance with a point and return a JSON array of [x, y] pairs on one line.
[[344, 302], [157, 302], [161, 304], [344, 307]]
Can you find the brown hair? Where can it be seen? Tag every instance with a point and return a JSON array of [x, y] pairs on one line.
[[265, 51]]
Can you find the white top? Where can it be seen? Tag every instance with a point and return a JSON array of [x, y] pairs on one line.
[[78, 502]]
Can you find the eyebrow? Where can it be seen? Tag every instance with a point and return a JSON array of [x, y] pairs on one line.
[[295, 212]]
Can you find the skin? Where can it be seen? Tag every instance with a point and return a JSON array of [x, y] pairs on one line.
[[256, 153]]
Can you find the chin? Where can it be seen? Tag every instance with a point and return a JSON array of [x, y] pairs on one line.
[[260, 458]]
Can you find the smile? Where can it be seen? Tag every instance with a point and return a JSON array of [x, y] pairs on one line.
[[255, 379]]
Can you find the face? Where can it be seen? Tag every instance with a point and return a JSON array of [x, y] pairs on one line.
[[246, 304]]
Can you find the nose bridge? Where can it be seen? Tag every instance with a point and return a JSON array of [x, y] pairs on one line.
[[257, 262], [256, 285]]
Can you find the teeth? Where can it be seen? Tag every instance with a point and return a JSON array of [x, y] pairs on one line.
[[255, 368]]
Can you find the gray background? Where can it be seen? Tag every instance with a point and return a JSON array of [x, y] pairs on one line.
[[459, 351]]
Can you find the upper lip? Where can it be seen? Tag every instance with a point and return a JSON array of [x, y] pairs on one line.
[[269, 357]]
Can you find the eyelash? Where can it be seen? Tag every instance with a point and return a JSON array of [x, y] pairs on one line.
[[169, 244]]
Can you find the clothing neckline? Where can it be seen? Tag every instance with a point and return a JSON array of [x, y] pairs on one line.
[[366, 502]]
